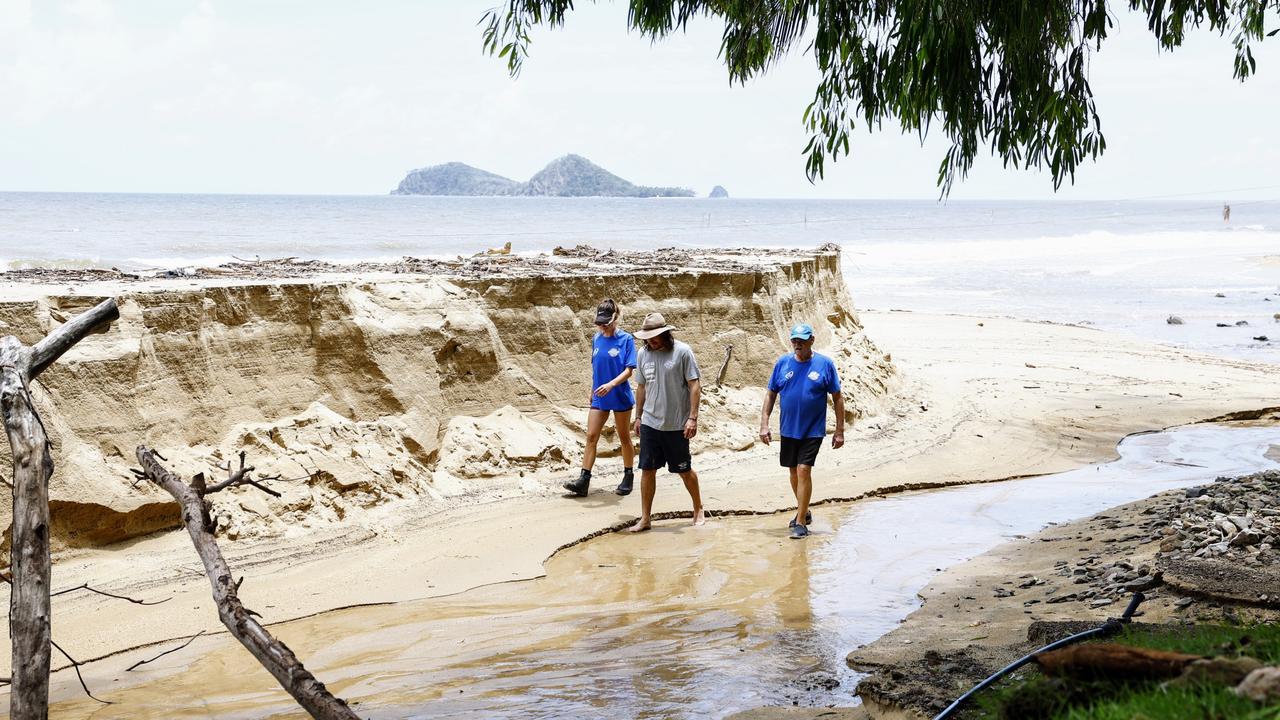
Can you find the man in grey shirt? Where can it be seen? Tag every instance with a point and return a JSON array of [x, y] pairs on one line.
[[668, 393]]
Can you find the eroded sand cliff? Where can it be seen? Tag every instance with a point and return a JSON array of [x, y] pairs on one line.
[[419, 386]]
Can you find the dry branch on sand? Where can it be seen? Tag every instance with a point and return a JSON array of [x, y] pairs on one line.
[[32, 468], [277, 658]]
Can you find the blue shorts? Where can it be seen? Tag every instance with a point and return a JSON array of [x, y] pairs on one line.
[[609, 403]]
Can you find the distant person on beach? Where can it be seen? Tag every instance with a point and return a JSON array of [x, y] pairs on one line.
[[613, 360], [668, 394], [803, 379], [1226, 212]]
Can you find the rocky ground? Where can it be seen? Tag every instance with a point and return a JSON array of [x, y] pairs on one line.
[[1201, 555], [1221, 540]]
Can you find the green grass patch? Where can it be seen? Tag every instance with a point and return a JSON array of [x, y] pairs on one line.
[[1261, 642], [1031, 695]]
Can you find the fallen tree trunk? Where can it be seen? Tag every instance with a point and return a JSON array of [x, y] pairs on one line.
[[29, 616], [1108, 661], [274, 655]]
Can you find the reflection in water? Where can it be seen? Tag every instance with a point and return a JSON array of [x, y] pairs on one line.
[[678, 622]]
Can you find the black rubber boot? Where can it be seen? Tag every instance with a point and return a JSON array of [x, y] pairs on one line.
[[579, 486], [624, 487]]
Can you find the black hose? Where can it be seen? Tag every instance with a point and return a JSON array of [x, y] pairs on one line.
[[1110, 627]]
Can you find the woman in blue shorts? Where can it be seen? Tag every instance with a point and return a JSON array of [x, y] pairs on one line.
[[613, 359]]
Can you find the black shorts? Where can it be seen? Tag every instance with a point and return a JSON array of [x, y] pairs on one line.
[[664, 447], [799, 452]]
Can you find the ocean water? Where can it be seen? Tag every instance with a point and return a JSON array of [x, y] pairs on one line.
[[1122, 265]]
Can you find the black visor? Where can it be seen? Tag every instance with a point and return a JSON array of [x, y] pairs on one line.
[[604, 317]]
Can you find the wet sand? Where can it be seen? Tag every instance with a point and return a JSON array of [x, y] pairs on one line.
[[683, 621]]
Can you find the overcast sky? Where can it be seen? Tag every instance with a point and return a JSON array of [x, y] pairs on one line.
[[313, 96]]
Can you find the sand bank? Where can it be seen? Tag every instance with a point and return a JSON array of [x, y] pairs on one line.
[[212, 369]]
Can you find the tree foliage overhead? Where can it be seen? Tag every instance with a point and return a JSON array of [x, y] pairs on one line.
[[1010, 74]]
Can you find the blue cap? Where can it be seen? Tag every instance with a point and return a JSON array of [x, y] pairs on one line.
[[801, 331]]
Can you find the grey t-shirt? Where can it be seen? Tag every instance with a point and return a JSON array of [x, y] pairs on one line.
[[665, 375]]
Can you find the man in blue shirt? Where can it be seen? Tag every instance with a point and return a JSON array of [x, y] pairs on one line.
[[803, 379]]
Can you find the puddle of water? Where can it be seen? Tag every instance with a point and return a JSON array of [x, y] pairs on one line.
[[678, 622]]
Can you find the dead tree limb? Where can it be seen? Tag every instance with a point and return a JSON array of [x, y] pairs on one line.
[[75, 665], [88, 587], [278, 659], [32, 468], [728, 353], [166, 652]]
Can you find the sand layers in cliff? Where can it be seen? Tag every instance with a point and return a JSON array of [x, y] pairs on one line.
[[358, 391]]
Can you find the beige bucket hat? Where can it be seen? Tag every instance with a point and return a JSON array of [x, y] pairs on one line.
[[653, 326]]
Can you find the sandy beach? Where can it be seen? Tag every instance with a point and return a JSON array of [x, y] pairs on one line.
[[414, 485]]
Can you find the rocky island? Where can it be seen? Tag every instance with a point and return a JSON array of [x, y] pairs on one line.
[[568, 176]]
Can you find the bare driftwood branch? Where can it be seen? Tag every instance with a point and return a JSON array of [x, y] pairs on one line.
[[278, 659], [32, 468], [29, 554], [724, 366], [240, 477], [75, 665], [86, 586], [166, 652], [48, 350]]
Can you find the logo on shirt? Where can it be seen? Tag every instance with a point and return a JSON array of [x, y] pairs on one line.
[[813, 375], [614, 352], [669, 364], [594, 351], [790, 374]]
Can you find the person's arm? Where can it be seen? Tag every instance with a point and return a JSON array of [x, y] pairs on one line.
[[769, 398], [695, 397], [837, 440], [623, 376], [635, 425]]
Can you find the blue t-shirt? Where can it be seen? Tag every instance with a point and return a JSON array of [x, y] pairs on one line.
[[803, 388], [609, 355]]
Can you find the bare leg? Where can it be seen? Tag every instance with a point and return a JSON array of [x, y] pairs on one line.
[[595, 423], [690, 479], [803, 485], [648, 488], [622, 421]]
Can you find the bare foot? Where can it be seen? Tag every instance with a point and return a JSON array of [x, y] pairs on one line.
[[699, 518], [641, 525]]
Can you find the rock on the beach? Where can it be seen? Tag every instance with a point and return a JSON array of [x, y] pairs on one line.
[[1174, 320], [1261, 685], [817, 680], [1144, 583]]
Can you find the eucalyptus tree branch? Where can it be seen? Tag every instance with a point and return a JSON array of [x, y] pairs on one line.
[[1010, 77]]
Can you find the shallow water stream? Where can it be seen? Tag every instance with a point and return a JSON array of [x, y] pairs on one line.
[[678, 622]]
